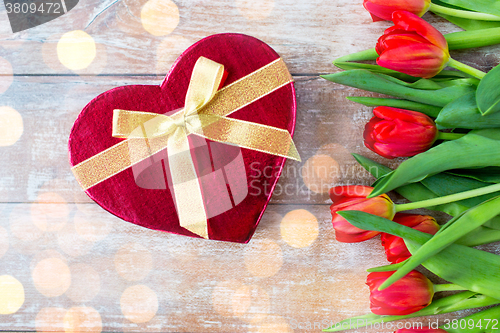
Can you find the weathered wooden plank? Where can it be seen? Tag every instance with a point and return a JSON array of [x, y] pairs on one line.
[[281, 276], [328, 129], [80, 266], [307, 34]]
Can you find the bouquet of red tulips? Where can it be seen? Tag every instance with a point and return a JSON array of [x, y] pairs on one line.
[[448, 123]]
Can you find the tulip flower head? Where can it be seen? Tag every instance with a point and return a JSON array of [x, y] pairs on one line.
[[410, 294], [395, 247], [396, 132], [421, 330], [381, 10], [354, 198], [412, 46]]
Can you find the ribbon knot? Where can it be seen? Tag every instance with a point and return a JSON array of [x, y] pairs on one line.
[[204, 114]]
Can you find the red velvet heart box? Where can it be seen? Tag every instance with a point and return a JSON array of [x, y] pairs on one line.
[[236, 183]]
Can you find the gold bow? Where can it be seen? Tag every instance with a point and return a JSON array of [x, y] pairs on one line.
[[204, 114]]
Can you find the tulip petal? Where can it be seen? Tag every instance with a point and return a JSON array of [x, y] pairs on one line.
[[411, 22], [398, 38], [420, 60], [339, 192], [390, 113], [384, 8], [410, 294], [396, 132]]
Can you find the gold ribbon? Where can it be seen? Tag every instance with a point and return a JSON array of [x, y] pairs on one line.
[[204, 114]]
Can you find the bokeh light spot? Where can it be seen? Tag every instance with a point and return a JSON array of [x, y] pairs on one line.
[[82, 319], [50, 320], [11, 126], [139, 304], [11, 295], [251, 303], [299, 228], [274, 324], [76, 50], [160, 17], [320, 173], [263, 258], [222, 297], [51, 277]]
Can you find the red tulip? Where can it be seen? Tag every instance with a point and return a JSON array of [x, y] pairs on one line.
[[421, 330], [382, 9], [354, 198], [410, 294], [396, 132], [412, 46], [395, 247]]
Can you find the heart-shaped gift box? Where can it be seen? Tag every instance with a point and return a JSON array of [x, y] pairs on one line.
[[235, 183]]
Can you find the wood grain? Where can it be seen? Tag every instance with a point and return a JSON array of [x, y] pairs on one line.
[[308, 34], [327, 124], [82, 269], [199, 284]]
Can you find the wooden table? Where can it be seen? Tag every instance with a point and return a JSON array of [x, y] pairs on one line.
[[82, 269]]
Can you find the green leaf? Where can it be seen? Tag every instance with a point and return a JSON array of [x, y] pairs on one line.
[[484, 6], [464, 113], [441, 80], [386, 268], [364, 79], [456, 41], [468, 24], [476, 323], [476, 149], [364, 55], [435, 186], [444, 184], [474, 38], [430, 110], [486, 175], [448, 234], [488, 92], [470, 268], [480, 236], [461, 301], [375, 69]]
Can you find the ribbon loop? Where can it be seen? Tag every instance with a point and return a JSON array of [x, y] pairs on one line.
[[205, 80], [204, 114]]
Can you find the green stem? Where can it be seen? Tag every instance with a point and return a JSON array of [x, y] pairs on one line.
[[466, 69], [473, 38], [479, 236], [387, 268], [457, 302], [483, 321], [369, 54], [463, 13], [448, 198], [447, 287], [449, 136]]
